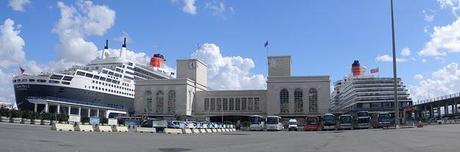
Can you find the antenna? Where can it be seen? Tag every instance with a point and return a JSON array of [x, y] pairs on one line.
[[106, 44], [124, 43]]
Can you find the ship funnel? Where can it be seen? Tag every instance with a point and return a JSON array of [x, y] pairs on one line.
[[124, 43], [356, 68], [106, 44], [105, 50], [123, 49]]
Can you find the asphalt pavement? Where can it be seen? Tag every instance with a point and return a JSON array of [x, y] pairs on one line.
[[27, 138]]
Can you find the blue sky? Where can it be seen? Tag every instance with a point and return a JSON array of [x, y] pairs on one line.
[[322, 36]]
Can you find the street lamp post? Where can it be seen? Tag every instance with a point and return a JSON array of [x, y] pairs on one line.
[[395, 82]]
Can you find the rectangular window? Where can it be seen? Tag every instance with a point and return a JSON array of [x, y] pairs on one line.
[[56, 77], [219, 104], [89, 75], [67, 78], [104, 71], [31, 80], [41, 80], [225, 104], [213, 104], [256, 104], [243, 104], [96, 77], [206, 104], [237, 104], [80, 73], [66, 83], [250, 102], [231, 104], [53, 81]]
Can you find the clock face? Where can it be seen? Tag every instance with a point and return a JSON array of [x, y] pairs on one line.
[[191, 65]]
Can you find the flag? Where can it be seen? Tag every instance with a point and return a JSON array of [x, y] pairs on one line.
[[266, 44], [376, 70], [22, 70]]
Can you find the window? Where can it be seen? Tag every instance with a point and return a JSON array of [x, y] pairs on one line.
[[56, 77], [159, 100], [313, 100], [213, 104], [104, 71], [237, 103], [31, 80], [231, 104], [219, 104], [284, 101], [66, 83], [80, 73], [224, 104], [40, 80], [243, 104], [148, 101], [67, 78], [256, 104], [171, 101], [250, 103], [298, 100], [53, 81], [96, 77], [89, 75], [206, 104]]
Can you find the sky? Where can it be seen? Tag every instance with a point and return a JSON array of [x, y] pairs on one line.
[[322, 36]]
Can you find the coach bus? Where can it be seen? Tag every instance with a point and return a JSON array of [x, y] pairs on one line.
[[274, 123], [257, 123]]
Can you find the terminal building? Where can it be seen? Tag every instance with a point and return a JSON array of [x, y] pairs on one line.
[[188, 95], [360, 92]]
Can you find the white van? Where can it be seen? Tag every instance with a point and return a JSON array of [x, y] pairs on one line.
[[292, 125]]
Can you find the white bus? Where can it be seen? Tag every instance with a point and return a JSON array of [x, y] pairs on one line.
[[274, 123], [257, 123]]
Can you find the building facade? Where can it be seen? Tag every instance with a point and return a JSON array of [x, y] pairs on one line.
[[287, 96]]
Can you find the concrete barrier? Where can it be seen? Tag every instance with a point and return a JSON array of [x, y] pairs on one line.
[[218, 130], [15, 120], [213, 130], [187, 131], [146, 130], [84, 128], [173, 131], [119, 129], [196, 131], [62, 127], [203, 130], [102, 128]]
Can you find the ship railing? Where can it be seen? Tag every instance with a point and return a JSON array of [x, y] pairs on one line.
[[119, 107]]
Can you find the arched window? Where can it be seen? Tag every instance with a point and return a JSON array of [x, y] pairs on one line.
[[313, 100], [298, 100], [159, 100], [284, 101], [148, 101], [171, 101]]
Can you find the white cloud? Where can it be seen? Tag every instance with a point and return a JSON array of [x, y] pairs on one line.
[[442, 82], [428, 15], [78, 22], [388, 58], [228, 72], [6, 91], [444, 40], [18, 5], [405, 52], [11, 44], [418, 77], [454, 5], [217, 8], [189, 7]]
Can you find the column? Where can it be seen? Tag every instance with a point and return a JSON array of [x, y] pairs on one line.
[[59, 108], [97, 112], [46, 107], [89, 112], [35, 107], [68, 110], [439, 111], [79, 111], [431, 111]]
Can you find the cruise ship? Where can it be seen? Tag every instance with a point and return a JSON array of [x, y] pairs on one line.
[[105, 81], [361, 92]]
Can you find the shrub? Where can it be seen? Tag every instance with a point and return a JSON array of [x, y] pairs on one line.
[[85, 119], [15, 113], [26, 114], [62, 117], [45, 116], [104, 120], [4, 112], [34, 115], [121, 121]]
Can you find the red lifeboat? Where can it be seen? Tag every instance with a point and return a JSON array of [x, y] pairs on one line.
[[157, 60]]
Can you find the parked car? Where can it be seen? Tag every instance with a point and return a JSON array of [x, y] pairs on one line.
[[312, 123]]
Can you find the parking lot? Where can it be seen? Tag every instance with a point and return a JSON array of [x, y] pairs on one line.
[[17, 137]]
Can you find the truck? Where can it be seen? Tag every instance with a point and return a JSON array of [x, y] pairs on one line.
[[313, 123], [362, 120], [329, 121], [292, 125], [384, 120], [345, 122]]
